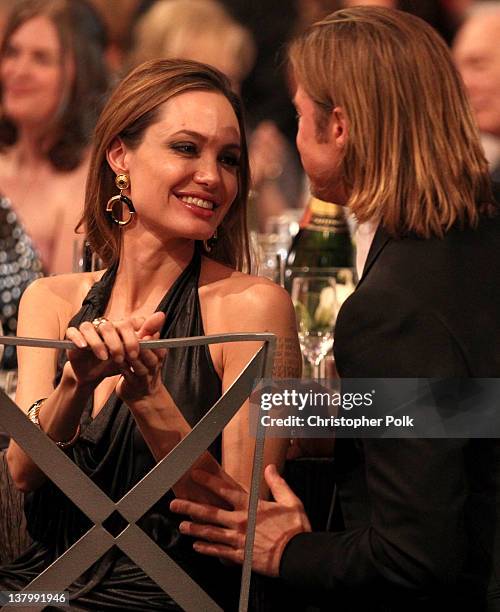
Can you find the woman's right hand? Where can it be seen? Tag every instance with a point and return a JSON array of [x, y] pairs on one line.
[[102, 350]]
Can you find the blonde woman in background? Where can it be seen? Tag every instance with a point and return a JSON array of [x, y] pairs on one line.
[[200, 30]]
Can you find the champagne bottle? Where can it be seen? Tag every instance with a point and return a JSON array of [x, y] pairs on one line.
[[323, 245]]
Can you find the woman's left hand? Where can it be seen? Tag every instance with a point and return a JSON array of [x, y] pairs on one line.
[[141, 377]]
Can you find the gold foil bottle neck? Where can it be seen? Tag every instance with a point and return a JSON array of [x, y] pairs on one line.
[[321, 216], [329, 209]]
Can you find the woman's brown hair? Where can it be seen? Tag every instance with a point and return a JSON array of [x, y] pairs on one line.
[[413, 160], [132, 108], [82, 36]]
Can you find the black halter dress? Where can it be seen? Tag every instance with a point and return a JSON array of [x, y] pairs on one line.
[[113, 453]]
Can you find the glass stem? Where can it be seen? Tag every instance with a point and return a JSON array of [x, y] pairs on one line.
[[316, 370]]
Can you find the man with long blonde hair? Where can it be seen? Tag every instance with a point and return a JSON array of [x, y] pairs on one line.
[[385, 128]]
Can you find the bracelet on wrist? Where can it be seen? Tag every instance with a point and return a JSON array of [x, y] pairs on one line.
[[33, 414]]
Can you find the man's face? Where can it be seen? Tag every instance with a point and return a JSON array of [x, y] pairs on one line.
[[319, 151], [477, 54]]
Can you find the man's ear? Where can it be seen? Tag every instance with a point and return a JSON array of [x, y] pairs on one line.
[[117, 156], [338, 127]]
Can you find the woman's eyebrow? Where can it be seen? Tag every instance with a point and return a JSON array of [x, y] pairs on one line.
[[193, 134]]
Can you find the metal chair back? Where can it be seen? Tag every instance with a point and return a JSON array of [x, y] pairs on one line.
[[92, 501]]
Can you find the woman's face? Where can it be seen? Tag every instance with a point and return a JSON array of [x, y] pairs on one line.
[[184, 174], [32, 73]]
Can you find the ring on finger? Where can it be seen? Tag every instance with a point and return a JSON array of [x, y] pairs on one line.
[[98, 321]]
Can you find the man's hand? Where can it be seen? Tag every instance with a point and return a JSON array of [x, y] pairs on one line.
[[223, 532]]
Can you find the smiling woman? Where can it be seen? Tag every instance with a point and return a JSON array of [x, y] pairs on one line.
[[165, 210], [195, 146], [183, 182]]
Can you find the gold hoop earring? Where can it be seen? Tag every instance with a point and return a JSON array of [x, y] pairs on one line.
[[209, 244], [122, 181]]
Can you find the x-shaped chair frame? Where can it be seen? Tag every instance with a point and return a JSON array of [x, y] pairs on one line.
[[93, 502]]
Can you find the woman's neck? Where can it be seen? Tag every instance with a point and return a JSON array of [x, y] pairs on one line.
[[145, 273], [27, 152]]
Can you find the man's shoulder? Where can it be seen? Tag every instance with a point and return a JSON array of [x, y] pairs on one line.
[[437, 258]]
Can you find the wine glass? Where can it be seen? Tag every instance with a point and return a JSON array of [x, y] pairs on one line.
[[316, 307]]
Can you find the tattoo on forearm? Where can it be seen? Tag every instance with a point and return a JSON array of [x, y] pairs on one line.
[[287, 358]]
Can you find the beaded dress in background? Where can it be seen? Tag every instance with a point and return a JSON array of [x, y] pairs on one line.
[[19, 266]]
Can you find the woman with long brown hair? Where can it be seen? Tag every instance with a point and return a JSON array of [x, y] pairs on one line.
[[53, 82], [165, 211]]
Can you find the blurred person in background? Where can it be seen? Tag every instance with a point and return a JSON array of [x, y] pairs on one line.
[[202, 30], [266, 90], [476, 51], [119, 17], [52, 85], [437, 13], [457, 9]]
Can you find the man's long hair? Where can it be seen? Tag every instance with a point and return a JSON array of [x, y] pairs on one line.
[[413, 160]]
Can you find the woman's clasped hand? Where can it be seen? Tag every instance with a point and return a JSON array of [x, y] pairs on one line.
[[165, 211], [108, 348]]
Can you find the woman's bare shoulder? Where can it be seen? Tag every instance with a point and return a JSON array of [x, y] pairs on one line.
[[61, 284], [239, 298], [224, 281], [61, 291], [48, 304]]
